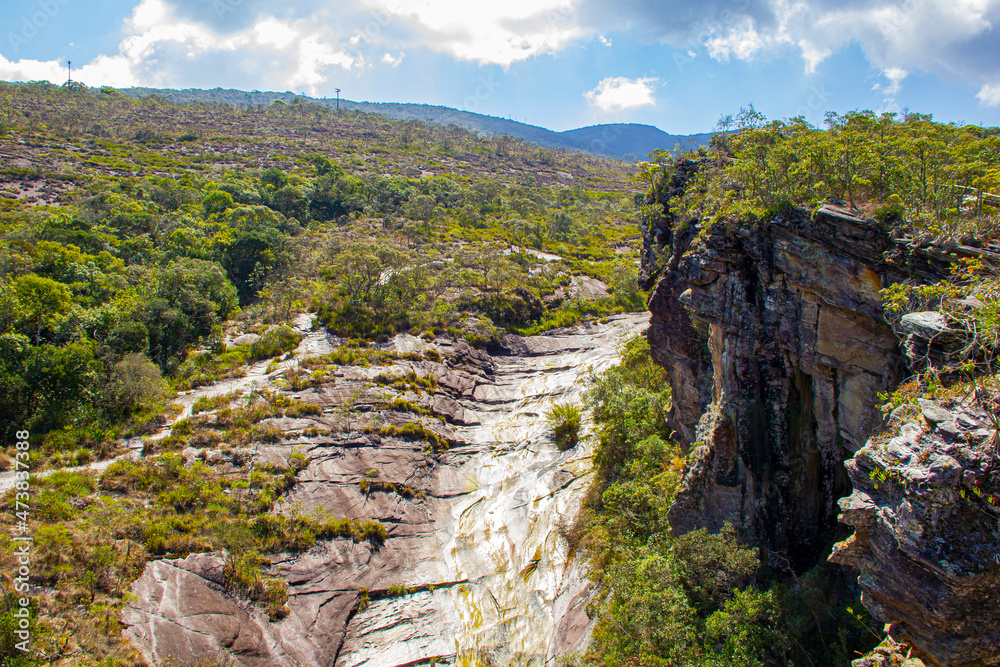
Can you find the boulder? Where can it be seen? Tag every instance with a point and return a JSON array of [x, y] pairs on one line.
[[925, 511]]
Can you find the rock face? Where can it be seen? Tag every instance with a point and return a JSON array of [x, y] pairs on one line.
[[186, 612], [926, 515], [775, 344], [485, 576], [889, 654]]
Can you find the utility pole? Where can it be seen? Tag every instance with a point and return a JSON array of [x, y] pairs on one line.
[[338, 99]]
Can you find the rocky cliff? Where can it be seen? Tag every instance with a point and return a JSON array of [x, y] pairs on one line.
[[773, 334], [927, 533], [774, 339]]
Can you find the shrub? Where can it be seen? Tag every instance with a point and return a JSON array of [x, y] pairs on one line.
[[564, 420], [138, 382], [415, 431], [276, 341]]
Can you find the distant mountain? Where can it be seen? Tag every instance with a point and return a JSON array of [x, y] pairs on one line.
[[618, 140], [614, 140]]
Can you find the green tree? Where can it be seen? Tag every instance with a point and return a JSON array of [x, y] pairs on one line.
[[62, 384], [251, 259], [217, 201], [189, 298], [42, 301], [136, 383]]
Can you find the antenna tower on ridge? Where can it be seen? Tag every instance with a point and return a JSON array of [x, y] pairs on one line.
[[69, 66], [338, 99]]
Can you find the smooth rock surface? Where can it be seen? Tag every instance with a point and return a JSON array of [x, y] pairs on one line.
[[479, 550]]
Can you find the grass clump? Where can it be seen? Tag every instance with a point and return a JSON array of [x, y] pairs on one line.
[[276, 341], [415, 431], [407, 382], [242, 573], [564, 422], [372, 486]]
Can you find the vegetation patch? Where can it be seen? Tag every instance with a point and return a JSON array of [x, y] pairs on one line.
[[564, 422], [414, 431]]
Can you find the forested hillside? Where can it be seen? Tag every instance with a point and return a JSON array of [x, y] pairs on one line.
[[139, 240], [618, 140], [133, 230]]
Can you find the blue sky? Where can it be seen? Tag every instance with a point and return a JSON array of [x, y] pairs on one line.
[[555, 63]]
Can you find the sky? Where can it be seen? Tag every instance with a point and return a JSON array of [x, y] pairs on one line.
[[560, 64]]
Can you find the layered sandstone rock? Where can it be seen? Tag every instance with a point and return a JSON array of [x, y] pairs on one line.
[[926, 515], [774, 340]]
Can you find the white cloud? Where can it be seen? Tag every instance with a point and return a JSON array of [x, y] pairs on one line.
[[303, 44], [743, 42], [32, 70], [272, 32], [900, 37], [314, 56], [157, 44], [497, 32], [618, 93], [390, 59], [989, 95], [951, 38], [895, 76], [115, 71]]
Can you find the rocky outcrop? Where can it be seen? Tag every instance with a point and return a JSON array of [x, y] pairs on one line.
[[474, 569], [186, 613], [889, 653], [774, 340], [773, 334], [926, 515]]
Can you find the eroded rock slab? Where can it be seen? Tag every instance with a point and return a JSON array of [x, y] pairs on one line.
[[925, 510], [183, 616], [474, 564]]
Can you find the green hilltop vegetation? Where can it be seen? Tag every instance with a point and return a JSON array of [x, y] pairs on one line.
[[911, 173], [613, 140]]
